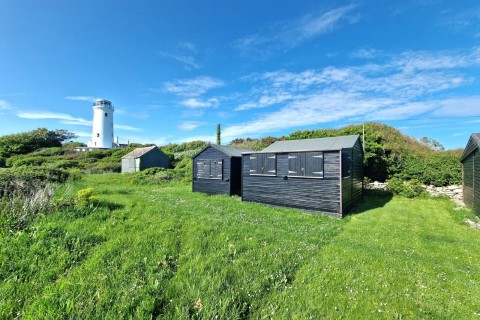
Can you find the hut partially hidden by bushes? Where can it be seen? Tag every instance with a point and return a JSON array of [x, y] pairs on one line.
[[471, 173], [144, 158], [217, 170], [324, 174]]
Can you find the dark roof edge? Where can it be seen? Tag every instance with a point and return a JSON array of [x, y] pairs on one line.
[[257, 152], [473, 137], [217, 147]]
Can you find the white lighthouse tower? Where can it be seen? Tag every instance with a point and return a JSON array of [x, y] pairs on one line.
[[102, 133]]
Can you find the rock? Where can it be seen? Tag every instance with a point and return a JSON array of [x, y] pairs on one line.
[[472, 224]]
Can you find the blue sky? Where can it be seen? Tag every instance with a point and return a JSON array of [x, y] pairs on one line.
[[174, 69]]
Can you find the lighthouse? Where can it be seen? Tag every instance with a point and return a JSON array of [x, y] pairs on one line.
[[102, 131]]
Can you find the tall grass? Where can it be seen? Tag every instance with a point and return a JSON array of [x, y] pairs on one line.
[[24, 204], [160, 251]]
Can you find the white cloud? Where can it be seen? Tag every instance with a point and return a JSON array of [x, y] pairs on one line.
[[313, 25], [206, 138], [81, 98], [459, 107], [365, 53], [188, 45], [188, 60], [4, 105], [400, 87], [265, 101], [197, 103], [65, 118], [193, 87], [284, 35], [125, 127], [190, 125], [83, 134]]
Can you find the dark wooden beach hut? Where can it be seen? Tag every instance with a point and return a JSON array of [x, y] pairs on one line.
[[217, 170], [143, 158], [324, 175], [471, 173]]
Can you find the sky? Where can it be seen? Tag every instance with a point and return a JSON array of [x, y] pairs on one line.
[[175, 69]]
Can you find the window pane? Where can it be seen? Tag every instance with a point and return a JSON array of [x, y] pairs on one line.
[[314, 164], [254, 164], [203, 169], [270, 164], [216, 169], [296, 164]]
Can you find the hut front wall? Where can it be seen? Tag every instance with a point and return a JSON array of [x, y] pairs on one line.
[[304, 193], [476, 184], [212, 186], [352, 185], [154, 158], [468, 174], [128, 165]]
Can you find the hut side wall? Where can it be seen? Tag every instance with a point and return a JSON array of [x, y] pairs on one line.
[[347, 181], [212, 186], [468, 174], [352, 186], [476, 183], [303, 193], [154, 158], [357, 173]]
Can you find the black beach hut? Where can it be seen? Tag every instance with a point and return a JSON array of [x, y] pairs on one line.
[[471, 173], [324, 175], [217, 170]]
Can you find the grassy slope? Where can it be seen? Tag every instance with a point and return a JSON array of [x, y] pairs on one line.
[[163, 251]]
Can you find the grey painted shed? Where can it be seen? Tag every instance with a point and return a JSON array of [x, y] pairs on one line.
[[324, 175], [471, 173], [217, 170], [143, 158]]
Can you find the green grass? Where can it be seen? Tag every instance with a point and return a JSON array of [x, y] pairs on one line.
[[162, 251]]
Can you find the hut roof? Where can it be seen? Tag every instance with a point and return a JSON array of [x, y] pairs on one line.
[[472, 145], [320, 144], [137, 153], [229, 151]]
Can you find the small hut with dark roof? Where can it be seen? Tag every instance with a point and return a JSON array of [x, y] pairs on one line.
[[324, 175], [218, 170], [143, 158], [471, 173]]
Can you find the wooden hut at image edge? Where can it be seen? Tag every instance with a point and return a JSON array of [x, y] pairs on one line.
[[144, 158], [471, 173], [324, 175], [217, 170]]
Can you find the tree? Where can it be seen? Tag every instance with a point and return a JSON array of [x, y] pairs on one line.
[[432, 143], [26, 142], [219, 141]]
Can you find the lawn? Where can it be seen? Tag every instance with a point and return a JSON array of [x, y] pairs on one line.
[[162, 251]]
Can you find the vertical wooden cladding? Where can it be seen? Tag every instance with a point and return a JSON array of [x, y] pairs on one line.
[[471, 173], [154, 158], [283, 189], [476, 183], [211, 172], [468, 178]]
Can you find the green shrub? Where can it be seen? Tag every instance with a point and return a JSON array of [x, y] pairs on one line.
[[155, 175], [86, 198], [409, 189]]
